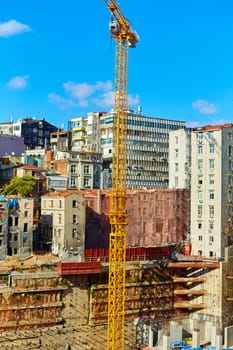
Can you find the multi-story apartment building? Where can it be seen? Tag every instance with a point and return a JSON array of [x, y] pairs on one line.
[[93, 128], [36, 133], [212, 189], [78, 127], [16, 227], [84, 170], [180, 158], [211, 218], [147, 146], [147, 149], [60, 140], [6, 128], [63, 223]]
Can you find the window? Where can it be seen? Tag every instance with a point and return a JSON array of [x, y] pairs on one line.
[[211, 134], [199, 238], [199, 225], [199, 211], [72, 182], [211, 225], [199, 180], [16, 221], [86, 169], [75, 204], [59, 218], [51, 203], [176, 153], [176, 167], [86, 182], [200, 135], [200, 164], [176, 181], [211, 211], [26, 214], [211, 179], [200, 252], [75, 219], [211, 238], [200, 195], [211, 163], [211, 148], [200, 149], [211, 194], [0, 228], [25, 227], [73, 168], [10, 221], [211, 254]]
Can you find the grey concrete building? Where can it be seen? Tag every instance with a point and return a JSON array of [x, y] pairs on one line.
[[147, 146], [16, 227]]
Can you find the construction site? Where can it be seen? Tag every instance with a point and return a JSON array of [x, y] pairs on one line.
[[64, 305], [141, 287]]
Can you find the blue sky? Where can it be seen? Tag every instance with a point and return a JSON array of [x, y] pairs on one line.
[[57, 60]]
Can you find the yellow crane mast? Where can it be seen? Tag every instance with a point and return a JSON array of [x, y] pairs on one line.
[[125, 37]]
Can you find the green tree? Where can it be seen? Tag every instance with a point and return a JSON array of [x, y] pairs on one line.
[[19, 185]]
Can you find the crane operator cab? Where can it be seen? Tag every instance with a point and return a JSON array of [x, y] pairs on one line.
[[114, 27]]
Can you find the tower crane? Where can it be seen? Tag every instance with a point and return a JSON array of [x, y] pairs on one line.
[[125, 37]]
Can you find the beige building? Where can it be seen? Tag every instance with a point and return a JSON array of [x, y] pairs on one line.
[[179, 158], [211, 190], [211, 221], [63, 223]]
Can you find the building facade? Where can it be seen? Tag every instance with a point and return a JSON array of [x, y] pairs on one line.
[[147, 146], [63, 223], [212, 190], [180, 158], [16, 227]]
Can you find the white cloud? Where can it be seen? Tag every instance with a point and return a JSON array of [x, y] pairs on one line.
[[19, 82], [79, 91], [13, 27], [63, 103], [82, 91], [83, 94], [104, 100], [133, 101], [204, 107]]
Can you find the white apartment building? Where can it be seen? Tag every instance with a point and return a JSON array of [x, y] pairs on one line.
[[78, 133], [63, 223], [179, 158], [211, 189]]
